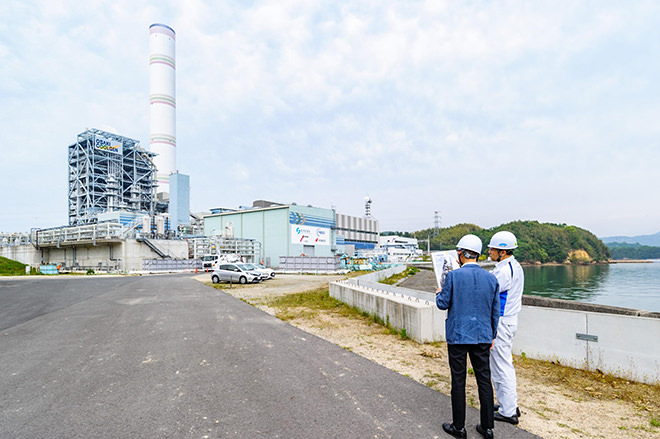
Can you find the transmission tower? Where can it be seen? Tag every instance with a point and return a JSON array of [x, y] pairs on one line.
[[438, 218], [367, 207]]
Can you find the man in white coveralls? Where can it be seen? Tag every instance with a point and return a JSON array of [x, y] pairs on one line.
[[511, 279]]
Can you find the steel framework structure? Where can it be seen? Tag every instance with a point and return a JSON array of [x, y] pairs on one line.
[[249, 249], [108, 172]]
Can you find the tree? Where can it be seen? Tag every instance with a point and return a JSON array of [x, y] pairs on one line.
[[537, 242]]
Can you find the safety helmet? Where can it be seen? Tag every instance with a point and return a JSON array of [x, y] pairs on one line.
[[503, 241], [470, 242]]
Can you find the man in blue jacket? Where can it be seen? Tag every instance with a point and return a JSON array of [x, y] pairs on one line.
[[471, 296]]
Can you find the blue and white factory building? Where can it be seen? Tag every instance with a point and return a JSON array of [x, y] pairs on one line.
[[293, 230]]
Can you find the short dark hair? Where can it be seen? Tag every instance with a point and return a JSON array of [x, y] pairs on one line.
[[469, 254]]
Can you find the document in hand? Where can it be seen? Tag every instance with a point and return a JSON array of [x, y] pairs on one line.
[[443, 263]]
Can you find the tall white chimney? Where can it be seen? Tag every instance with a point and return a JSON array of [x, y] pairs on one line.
[[162, 96]]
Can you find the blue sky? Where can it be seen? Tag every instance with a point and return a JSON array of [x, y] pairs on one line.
[[487, 112]]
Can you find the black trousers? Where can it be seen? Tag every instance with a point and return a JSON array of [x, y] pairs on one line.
[[480, 359]]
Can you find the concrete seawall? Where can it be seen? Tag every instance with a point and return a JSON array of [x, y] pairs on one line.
[[617, 341]]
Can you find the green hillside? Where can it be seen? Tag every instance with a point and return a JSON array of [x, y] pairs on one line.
[[633, 251], [9, 267], [537, 242]]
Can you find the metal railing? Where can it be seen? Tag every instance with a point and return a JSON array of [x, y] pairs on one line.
[[249, 249], [89, 233], [14, 239], [152, 245], [171, 264]]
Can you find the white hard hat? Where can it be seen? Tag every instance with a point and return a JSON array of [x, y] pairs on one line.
[[503, 241], [470, 242]]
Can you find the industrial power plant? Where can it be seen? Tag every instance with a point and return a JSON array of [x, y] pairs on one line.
[[129, 208]]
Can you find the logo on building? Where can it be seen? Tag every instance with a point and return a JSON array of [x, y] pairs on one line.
[[106, 144], [310, 235]]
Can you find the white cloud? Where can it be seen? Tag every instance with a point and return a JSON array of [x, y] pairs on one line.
[[324, 102]]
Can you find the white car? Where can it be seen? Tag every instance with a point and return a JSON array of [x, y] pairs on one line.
[[268, 273], [239, 273]]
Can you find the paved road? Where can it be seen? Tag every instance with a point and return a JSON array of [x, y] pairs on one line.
[[424, 280], [165, 356]]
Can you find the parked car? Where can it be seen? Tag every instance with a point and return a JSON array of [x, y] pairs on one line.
[[239, 273], [269, 273]]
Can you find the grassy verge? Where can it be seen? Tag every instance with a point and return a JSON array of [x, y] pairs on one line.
[[408, 272], [228, 286], [9, 267], [309, 304]]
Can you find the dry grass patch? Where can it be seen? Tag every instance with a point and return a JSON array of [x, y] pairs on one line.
[[581, 384]]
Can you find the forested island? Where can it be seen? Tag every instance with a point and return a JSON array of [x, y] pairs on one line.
[[537, 242], [620, 251]]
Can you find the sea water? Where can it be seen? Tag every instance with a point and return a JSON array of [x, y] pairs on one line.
[[629, 285]]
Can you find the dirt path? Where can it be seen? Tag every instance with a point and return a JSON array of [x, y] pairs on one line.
[[549, 409]]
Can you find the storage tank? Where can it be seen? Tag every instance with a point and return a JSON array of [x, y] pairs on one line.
[[160, 225]]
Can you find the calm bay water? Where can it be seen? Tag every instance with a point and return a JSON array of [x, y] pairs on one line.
[[635, 285]]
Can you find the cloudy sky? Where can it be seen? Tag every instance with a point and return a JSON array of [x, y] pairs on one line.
[[486, 112]]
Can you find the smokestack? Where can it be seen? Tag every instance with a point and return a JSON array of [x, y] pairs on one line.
[[162, 96]]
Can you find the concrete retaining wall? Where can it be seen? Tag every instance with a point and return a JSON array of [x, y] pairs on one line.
[[626, 345], [134, 252], [123, 256], [25, 254]]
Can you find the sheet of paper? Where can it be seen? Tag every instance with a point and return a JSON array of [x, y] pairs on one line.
[[443, 263]]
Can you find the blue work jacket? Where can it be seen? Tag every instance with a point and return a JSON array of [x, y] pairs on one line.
[[471, 296]]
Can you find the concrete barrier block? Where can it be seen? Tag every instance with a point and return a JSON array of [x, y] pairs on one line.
[[415, 316]]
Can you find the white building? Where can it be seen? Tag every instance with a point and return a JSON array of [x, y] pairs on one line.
[[398, 248]]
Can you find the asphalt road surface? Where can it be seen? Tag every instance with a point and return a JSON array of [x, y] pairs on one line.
[[166, 356]]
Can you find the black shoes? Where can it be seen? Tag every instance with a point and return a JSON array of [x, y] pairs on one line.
[[450, 429], [510, 419], [487, 433], [497, 408]]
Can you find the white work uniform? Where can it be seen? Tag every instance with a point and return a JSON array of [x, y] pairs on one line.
[[511, 278]]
